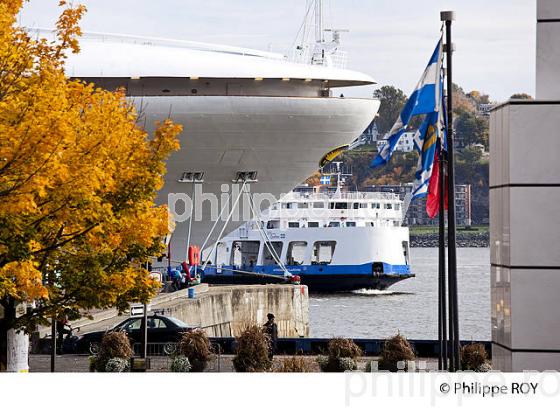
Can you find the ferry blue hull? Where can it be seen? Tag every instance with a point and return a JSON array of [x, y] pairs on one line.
[[318, 278]]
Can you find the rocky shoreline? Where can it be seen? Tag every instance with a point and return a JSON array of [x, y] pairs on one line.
[[465, 239]]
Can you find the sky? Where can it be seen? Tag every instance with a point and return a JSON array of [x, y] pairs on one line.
[[391, 40]]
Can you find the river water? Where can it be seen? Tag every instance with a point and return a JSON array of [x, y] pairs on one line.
[[411, 305]]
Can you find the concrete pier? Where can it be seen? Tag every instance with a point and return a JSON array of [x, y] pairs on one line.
[[223, 311]]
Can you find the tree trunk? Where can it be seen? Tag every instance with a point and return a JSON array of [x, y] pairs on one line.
[[18, 351], [14, 355], [3, 339]]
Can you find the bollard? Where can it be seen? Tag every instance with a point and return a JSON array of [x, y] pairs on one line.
[[191, 293]]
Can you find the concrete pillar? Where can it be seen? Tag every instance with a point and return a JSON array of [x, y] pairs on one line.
[[525, 214], [548, 49], [525, 235]]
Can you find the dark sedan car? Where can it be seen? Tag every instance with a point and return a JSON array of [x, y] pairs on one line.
[[162, 330]]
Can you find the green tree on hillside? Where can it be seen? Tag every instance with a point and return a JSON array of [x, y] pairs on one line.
[[471, 128], [392, 101], [520, 96]]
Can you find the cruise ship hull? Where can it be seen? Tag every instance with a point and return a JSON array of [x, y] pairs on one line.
[[282, 139]]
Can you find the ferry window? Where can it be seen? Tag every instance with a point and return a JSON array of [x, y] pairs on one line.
[[296, 253], [397, 207], [293, 224], [340, 205], [318, 205], [276, 247], [323, 252], [388, 206], [375, 205], [350, 224], [362, 205], [290, 205], [222, 254], [245, 253], [273, 225], [356, 205], [303, 205], [312, 224], [334, 224]]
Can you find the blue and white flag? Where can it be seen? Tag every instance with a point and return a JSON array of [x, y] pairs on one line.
[[424, 100], [325, 180], [426, 139]]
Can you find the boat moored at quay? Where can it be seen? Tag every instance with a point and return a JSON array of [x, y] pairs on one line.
[[342, 241]]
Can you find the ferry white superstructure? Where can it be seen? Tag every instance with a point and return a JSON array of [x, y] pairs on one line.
[[335, 242]]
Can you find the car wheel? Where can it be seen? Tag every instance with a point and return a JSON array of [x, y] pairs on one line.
[[93, 348], [169, 348]]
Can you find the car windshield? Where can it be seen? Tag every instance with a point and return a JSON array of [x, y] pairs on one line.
[[178, 322]]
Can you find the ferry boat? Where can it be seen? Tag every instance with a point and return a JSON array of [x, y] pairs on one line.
[[341, 241]]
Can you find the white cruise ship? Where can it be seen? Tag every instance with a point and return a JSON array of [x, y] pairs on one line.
[[246, 114], [329, 242]]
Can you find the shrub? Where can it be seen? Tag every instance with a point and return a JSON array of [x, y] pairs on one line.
[[339, 347], [91, 363], [252, 350], [473, 356], [369, 366], [117, 365], [294, 364], [195, 345], [396, 349], [180, 364], [323, 362], [113, 345], [342, 355], [346, 364], [484, 367]]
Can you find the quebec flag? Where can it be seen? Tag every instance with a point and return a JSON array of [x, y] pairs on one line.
[[424, 100], [325, 180]]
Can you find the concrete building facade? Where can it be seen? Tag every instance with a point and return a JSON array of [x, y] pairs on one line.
[[525, 214]]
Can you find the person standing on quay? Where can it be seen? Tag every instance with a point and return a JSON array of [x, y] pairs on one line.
[[271, 329]]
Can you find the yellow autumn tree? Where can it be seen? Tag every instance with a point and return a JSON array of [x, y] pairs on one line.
[[78, 180]]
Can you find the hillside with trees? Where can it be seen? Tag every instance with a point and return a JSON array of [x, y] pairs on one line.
[[471, 123]]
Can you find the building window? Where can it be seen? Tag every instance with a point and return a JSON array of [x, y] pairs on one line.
[[296, 253], [323, 252]]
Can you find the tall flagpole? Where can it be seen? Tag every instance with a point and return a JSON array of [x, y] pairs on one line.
[[455, 363], [442, 306]]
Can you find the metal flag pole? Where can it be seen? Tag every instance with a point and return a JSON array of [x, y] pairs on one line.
[[442, 306], [455, 362]]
